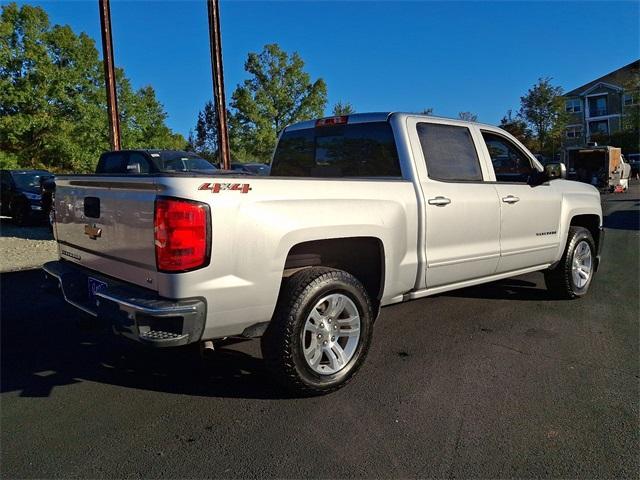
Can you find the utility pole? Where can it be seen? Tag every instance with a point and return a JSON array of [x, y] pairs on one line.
[[218, 82], [109, 74]]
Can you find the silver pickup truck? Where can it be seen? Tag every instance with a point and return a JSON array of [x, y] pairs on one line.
[[359, 212]]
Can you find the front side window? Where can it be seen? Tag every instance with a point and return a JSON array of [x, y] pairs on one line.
[[449, 153], [346, 150], [573, 105], [510, 164]]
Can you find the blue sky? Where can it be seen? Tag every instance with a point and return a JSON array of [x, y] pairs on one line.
[[452, 56]]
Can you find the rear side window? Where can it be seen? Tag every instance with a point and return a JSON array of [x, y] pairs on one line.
[[356, 150], [112, 163], [449, 153]]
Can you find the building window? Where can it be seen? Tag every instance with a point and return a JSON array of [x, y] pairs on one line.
[[599, 128], [598, 106], [629, 99], [574, 131], [573, 105]]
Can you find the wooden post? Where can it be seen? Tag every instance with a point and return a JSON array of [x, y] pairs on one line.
[[218, 82], [109, 74]]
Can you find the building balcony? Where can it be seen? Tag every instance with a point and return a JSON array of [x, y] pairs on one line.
[[598, 112]]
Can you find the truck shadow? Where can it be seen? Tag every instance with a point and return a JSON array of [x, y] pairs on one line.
[[623, 220], [42, 349], [508, 289]]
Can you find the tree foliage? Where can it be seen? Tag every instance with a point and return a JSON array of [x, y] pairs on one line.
[[468, 116], [278, 92], [204, 140], [343, 109], [518, 128], [542, 108], [52, 98]]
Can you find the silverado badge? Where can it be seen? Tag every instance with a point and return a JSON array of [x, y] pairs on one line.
[[92, 231]]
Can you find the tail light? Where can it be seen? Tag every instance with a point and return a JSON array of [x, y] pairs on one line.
[[182, 234]]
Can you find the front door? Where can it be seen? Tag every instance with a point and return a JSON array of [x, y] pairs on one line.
[[462, 212], [530, 213]]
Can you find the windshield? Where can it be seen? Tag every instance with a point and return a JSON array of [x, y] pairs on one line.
[[29, 180]]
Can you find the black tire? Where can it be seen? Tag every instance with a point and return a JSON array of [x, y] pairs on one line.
[[559, 280], [20, 214], [282, 343]]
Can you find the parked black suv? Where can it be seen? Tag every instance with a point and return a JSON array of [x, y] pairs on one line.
[[21, 195]]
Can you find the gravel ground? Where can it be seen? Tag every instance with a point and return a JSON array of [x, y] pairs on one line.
[[22, 248]]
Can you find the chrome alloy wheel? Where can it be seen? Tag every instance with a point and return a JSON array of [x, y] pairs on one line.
[[331, 334], [582, 264]]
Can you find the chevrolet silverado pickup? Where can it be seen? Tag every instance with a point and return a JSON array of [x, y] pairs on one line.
[[358, 212]]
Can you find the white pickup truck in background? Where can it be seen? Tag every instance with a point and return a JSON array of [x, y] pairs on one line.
[[358, 212]]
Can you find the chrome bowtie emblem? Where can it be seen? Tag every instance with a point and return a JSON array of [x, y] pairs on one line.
[[92, 231]]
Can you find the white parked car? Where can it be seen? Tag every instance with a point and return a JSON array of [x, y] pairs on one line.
[[358, 212]]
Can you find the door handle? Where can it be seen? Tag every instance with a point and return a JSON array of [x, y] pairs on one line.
[[439, 201], [510, 199]]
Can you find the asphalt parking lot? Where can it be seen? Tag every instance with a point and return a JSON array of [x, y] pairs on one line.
[[492, 381]]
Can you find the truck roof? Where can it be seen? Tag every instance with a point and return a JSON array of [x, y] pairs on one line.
[[379, 117]]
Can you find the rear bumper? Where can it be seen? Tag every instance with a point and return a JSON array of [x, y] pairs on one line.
[[133, 312]]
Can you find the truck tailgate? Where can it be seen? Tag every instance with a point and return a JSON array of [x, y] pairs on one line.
[[106, 224]]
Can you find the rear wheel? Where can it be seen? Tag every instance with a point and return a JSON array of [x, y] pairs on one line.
[[572, 277], [320, 333]]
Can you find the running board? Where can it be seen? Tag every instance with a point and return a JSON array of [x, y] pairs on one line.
[[426, 292]]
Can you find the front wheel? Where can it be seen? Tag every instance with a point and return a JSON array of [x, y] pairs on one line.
[[572, 276], [21, 214], [320, 333]]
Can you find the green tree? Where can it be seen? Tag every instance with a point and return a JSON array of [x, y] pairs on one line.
[[52, 98], [278, 92], [343, 109], [204, 140], [468, 116], [630, 134], [542, 108], [518, 128]]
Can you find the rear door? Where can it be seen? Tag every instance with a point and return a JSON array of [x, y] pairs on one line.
[[462, 211], [530, 212], [106, 224]]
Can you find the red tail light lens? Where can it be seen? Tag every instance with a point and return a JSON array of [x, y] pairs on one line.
[[182, 232]]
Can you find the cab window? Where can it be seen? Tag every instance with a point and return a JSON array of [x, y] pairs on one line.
[[510, 164], [449, 153]]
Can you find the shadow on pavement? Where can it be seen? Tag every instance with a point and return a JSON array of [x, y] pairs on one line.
[[508, 289], [43, 348], [623, 220]]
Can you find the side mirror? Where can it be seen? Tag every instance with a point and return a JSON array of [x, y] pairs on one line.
[[555, 170]]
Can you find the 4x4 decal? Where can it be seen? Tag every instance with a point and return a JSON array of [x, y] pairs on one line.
[[218, 187]]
